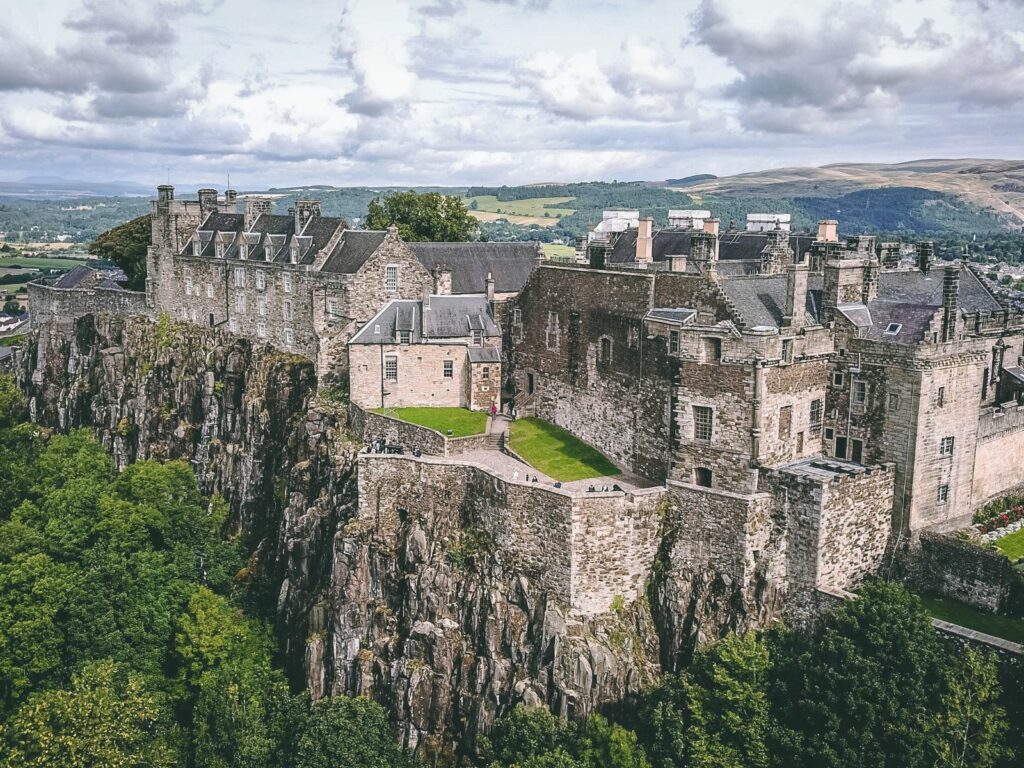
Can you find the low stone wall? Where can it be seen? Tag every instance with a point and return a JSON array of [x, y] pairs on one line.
[[47, 303], [951, 567], [369, 426], [460, 445], [584, 549], [997, 458]]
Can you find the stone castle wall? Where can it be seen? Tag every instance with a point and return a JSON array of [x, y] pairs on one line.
[[999, 457], [48, 303], [582, 549]]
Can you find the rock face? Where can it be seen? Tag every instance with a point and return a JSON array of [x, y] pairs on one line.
[[447, 640]]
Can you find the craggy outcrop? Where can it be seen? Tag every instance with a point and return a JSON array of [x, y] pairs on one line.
[[448, 640]]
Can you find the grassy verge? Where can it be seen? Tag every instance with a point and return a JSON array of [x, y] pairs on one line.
[[461, 421], [534, 206], [956, 612], [1012, 546], [556, 453], [558, 251], [39, 262]]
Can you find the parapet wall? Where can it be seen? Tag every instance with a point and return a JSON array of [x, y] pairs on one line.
[[47, 303], [369, 426], [948, 566], [582, 549], [999, 452]]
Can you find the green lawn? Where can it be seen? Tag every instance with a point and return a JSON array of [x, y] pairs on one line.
[[461, 421], [1012, 546], [956, 612], [40, 262], [556, 453], [534, 206], [556, 251]]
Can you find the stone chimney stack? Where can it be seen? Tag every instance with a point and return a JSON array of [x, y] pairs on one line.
[[489, 283], [950, 301], [925, 254], [828, 231], [230, 201], [254, 208], [711, 226], [796, 296], [207, 202], [889, 255], [676, 263], [645, 241], [442, 280], [869, 291], [304, 211], [164, 194]]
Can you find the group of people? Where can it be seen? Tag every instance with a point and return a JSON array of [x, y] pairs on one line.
[[381, 445], [603, 488]]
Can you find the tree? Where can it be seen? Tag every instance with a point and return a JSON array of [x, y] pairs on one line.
[[728, 705], [970, 726], [429, 216], [126, 245], [105, 718], [12, 307], [342, 732], [859, 690]]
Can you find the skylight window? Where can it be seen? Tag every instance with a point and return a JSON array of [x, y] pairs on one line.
[[893, 328]]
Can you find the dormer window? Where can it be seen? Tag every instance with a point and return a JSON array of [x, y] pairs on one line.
[[197, 246], [295, 253], [243, 250], [269, 251], [218, 248]]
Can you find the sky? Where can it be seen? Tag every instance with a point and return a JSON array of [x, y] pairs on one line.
[[458, 92]]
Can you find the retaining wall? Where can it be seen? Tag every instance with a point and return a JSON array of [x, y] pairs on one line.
[[47, 303]]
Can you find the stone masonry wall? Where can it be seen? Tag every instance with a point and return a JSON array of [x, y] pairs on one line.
[[48, 303], [369, 426], [999, 457], [420, 381], [945, 565]]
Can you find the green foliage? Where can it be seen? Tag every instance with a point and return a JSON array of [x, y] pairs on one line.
[[12, 307], [426, 216], [126, 245], [340, 732], [104, 718]]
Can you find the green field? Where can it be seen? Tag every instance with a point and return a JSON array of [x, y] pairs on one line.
[[39, 262], [956, 612], [556, 251], [535, 206], [1012, 546], [461, 421], [556, 453]]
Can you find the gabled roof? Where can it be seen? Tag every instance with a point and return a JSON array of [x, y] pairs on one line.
[[78, 277], [352, 251], [446, 317], [510, 264], [761, 300], [916, 287], [672, 314]]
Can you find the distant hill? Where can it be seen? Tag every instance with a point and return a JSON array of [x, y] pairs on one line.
[[56, 188], [997, 185], [688, 180]]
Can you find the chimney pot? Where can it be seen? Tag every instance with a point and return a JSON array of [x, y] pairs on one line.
[[828, 231], [645, 241], [711, 226]]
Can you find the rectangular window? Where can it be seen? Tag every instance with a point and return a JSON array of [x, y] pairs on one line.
[[391, 278], [551, 333], [830, 433], [261, 305], [703, 477], [332, 307], [261, 329], [289, 337], [197, 247], [218, 248], [787, 350], [703, 422], [946, 446], [286, 282], [449, 369], [840, 451], [816, 413], [391, 368], [209, 290], [785, 421], [940, 397], [673, 342], [404, 337], [943, 496], [486, 374], [239, 277], [799, 443], [712, 350], [860, 393], [894, 402], [233, 325], [240, 303], [268, 251], [838, 379], [261, 279], [243, 249], [517, 316], [478, 338], [188, 283], [286, 307]]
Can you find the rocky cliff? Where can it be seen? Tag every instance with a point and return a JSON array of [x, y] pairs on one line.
[[447, 640]]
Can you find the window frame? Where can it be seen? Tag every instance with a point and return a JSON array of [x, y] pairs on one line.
[[391, 278], [390, 366], [947, 445], [703, 426], [447, 369]]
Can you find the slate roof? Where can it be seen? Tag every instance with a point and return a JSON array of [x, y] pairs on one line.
[[913, 319], [672, 314], [352, 251], [916, 287], [484, 355], [510, 264], [447, 317], [761, 300], [314, 237], [78, 277], [732, 246]]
